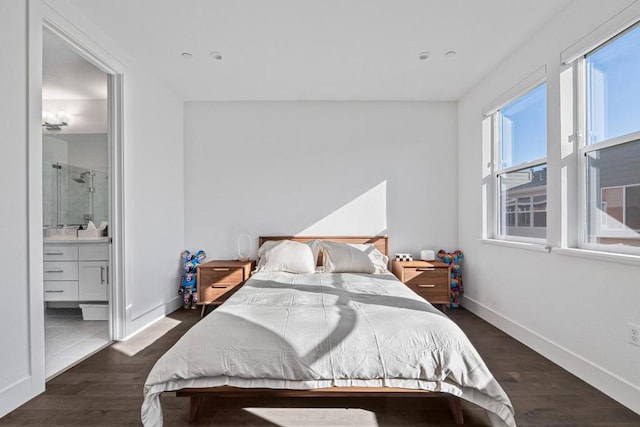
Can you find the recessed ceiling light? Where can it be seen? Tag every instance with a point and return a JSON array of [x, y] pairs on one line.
[[423, 55], [186, 55], [450, 54], [215, 55]]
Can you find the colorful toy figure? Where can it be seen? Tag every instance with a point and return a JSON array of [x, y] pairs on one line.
[[453, 259], [188, 285]]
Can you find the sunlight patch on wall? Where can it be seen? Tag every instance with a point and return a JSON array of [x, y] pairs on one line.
[[365, 215]]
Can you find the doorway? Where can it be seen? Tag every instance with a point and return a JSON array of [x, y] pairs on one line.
[[77, 200]]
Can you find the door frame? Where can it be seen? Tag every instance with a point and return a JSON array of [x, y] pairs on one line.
[[40, 16]]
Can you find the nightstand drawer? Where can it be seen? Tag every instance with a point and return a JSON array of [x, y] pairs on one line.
[[420, 274], [429, 279], [434, 293], [220, 276], [217, 292]]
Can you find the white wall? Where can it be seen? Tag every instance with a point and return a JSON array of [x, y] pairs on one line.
[[15, 373], [573, 310], [320, 168]]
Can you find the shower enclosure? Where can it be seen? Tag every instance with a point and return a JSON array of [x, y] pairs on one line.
[[73, 195]]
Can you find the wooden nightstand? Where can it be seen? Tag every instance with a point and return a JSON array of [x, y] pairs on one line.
[[429, 279], [218, 280]]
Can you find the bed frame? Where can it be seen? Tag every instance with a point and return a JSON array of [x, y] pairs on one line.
[[197, 394]]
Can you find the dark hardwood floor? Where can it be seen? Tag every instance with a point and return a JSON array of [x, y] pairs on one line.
[[106, 389]]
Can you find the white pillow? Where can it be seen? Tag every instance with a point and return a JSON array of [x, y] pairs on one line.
[[289, 256], [353, 258]]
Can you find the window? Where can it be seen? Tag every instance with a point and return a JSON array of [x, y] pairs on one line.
[[520, 142], [611, 147]]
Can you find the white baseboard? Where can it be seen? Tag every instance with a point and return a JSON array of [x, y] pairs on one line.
[[173, 305], [610, 384], [135, 326], [17, 394]]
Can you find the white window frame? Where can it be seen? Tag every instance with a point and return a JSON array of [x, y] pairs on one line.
[[584, 148], [497, 217]]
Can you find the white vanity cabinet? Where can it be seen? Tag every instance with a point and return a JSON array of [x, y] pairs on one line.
[[76, 272]]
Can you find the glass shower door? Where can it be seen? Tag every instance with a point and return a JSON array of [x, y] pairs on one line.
[[73, 195]]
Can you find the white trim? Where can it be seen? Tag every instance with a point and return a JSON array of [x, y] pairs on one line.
[[34, 384], [531, 81], [116, 204], [138, 323], [525, 165], [18, 393], [605, 381], [607, 143], [614, 26], [599, 255], [530, 246], [580, 87], [169, 307], [84, 44]]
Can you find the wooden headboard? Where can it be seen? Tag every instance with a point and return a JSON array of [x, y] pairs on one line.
[[381, 243]]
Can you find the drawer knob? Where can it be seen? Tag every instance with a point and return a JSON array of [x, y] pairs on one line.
[[54, 271], [53, 253], [425, 268], [426, 286], [221, 269], [54, 292], [218, 286]]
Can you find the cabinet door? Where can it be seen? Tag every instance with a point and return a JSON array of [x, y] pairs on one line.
[[93, 280]]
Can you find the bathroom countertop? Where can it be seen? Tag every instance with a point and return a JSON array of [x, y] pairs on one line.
[[85, 240]]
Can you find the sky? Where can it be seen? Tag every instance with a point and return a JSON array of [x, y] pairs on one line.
[[528, 117], [614, 71], [613, 102]]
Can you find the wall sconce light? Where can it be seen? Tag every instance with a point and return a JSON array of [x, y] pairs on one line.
[[52, 121]]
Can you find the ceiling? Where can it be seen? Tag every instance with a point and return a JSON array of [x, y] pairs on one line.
[[319, 49], [66, 75]]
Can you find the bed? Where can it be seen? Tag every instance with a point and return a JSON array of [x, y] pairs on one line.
[[325, 333]]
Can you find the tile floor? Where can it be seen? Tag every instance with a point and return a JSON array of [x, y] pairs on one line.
[[69, 339]]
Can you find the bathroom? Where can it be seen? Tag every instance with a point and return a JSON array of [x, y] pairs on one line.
[[76, 206]]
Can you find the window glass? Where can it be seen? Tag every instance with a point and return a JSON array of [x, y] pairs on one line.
[[632, 207], [613, 88], [523, 193], [613, 195], [524, 128]]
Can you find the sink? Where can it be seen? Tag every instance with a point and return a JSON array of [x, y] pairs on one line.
[[64, 233]]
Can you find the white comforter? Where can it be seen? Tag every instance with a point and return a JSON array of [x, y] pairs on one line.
[[301, 331]]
